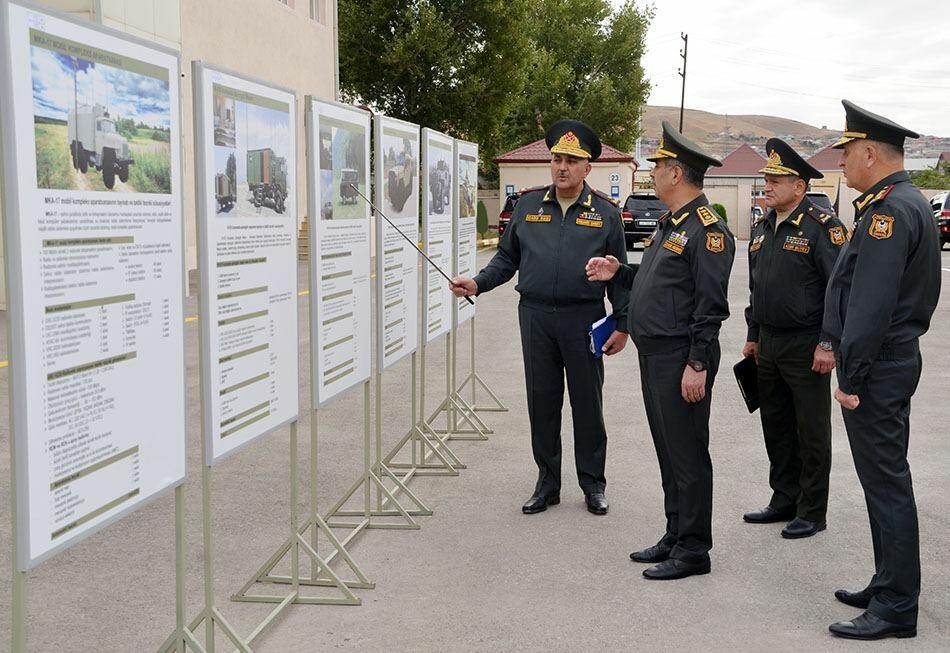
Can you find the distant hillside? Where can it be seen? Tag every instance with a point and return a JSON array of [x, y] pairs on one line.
[[722, 134]]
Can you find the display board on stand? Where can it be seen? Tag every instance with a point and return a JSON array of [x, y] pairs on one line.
[[247, 226], [94, 254], [340, 320], [438, 191], [465, 226]]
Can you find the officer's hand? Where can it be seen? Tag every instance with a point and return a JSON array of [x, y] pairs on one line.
[[693, 385], [615, 343], [751, 349], [824, 361], [462, 286], [602, 268], [847, 401]]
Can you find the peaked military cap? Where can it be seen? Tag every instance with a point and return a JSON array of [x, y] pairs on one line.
[[574, 138], [783, 160], [861, 123], [673, 145]]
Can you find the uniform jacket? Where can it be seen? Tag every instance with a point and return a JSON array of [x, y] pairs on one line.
[[789, 269], [680, 289], [884, 287], [549, 251]]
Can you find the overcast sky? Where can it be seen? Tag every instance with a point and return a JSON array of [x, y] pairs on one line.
[[797, 59]]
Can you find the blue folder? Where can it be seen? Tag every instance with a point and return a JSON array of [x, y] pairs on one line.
[[599, 332]]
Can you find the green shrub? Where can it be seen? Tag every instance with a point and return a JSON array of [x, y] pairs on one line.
[[721, 210], [481, 220]]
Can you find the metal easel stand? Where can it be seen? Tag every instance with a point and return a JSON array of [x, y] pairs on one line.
[[321, 573], [496, 406], [425, 444], [375, 475], [455, 407]]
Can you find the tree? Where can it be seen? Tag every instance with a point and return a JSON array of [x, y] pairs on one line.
[[455, 66], [230, 169], [937, 179]]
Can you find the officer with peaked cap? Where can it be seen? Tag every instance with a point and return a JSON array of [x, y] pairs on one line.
[[792, 250], [880, 299], [678, 301], [553, 231]]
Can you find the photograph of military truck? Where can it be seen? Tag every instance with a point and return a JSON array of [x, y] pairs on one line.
[[343, 165], [99, 127], [400, 181], [225, 187], [224, 115], [440, 182], [267, 179]]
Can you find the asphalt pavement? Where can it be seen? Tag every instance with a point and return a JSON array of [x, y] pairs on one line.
[[479, 575]]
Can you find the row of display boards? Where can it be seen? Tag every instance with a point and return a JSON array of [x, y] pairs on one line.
[[93, 220]]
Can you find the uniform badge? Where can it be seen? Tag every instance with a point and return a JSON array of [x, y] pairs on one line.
[[882, 226], [837, 235], [797, 244], [676, 242], [649, 241], [707, 216], [715, 241], [590, 220], [540, 217], [756, 243]]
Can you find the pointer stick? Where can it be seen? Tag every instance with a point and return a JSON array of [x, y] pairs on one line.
[[416, 247]]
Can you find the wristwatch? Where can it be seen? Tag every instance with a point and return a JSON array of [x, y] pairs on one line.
[[825, 345], [698, 366]]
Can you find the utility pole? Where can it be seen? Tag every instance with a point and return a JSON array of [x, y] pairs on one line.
[[682, 73]]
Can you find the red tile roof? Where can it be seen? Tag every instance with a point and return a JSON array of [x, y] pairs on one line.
[[826, 159], [741, 162], [538, 152]]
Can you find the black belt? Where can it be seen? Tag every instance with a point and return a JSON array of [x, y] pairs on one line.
[[772, 331]]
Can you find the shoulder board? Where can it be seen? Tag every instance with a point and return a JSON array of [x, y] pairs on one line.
[[604, 196], [533, 189], [819, 215], [875, 198], [883, 193], [707, 216]]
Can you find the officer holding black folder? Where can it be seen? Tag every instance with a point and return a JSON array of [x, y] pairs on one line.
[[554, 230]]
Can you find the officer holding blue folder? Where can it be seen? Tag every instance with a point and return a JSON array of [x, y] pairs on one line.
[[554, 230]]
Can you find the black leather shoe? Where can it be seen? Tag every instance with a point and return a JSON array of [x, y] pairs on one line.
[[799, 527], [870, 626], [540, 503], [596, 503], [860, 599], [672, 569], [652, 554], [768, 515]]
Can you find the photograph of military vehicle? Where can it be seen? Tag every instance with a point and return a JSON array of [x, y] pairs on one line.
[[267, 179], [440, 180], [349, 178], [223, 120], [224, 192], [400, 173], [94, 141]]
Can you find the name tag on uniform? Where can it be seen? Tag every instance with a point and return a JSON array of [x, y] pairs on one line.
[[590, 220], [757, 243], [797, 244], [540, 217], [675, 242]]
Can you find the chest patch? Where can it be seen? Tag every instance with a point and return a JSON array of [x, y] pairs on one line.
[[756, 243], [882, 226], [715, 241], [675, 242], [540, 217], [590, 220], [797, 244], [836, 234]]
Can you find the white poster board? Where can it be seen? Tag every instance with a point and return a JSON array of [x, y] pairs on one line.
[[93, 241], [246, 173], [465, 236], [341, 351], [438, 190], [397, 265]]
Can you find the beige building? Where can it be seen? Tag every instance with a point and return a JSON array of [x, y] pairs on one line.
[[530, 165], [288, 43]]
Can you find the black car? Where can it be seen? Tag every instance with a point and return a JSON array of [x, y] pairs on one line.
[[821, 200], [505, 216], [640, 213], [940, 204]]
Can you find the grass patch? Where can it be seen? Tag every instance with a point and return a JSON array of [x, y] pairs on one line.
[[151, 172], [53, 161]]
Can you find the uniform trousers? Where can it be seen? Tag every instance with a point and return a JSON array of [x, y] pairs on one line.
[[681, 438], [554, 342], [879, 433], [795, 407]]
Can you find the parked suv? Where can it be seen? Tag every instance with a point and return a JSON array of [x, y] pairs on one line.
[[940, 203], [821, 200], [505, 216], [640, 213]]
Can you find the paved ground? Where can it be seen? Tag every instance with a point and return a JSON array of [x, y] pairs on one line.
[[479, 575]]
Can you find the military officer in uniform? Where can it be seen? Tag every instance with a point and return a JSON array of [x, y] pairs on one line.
[[678, 301], [880, 299], [792, 250], [553, 231]]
